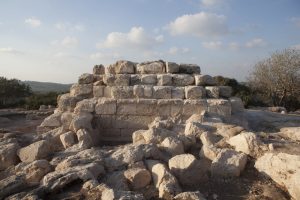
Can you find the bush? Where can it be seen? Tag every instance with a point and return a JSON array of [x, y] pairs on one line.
[[34, 101]]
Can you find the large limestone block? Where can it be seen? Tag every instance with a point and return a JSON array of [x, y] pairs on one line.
[[98, 90], [82, 120], [8, 155], [81, 90], [182, 79], [188, 169], [122, 92], [195, 128], [191, 107], [194, 92], [237, 105], [146, 107], [156, 135], [219, 107], [292, 133], [204, 80], [189, 196], [67, 139], [85, 138], [138, 177], [189, 69], [178, 93], [218, 91], [11, 185], [172, 145], [283, 168], [66, 119], [126, 107], [228, 163], [86, 78], [209, 152], [172, 67], [154, 67], [148, 79], [34, 171], [162, 92], [99, 69], [52, 120], [246, 142], [106, 106], [116, 79], [38, 150], [163, 180], [142, 91], [66, 102], [164, 80], [122, 67], [86, 105]]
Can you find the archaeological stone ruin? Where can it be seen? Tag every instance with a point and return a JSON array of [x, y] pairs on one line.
[[152, 130]]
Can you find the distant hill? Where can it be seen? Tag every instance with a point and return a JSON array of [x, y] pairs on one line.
[[47, 86]]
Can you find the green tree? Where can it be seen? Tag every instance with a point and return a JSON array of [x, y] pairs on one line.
[[12, 92]]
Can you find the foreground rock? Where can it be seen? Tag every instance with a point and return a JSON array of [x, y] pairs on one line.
[[8, 155], [35, 151], [292, 133], [284, 169], [189, 196]]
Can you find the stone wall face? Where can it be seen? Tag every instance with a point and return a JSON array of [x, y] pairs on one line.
[[126, 96]]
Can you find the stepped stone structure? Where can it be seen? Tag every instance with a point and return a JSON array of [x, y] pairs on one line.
[[114, 101]]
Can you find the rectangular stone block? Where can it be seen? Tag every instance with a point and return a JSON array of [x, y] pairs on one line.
[[120, 121], [195, 92], [124, 67], [225, 91], [221, 107], [191, 107], [122, 92], [162, 92], [172, 67], [154, 67], [163, 107], [178, 93], [176, 107], [149, 79], [98, 91], [212, 91], [205, 80], [189, 69], [106, 106], [146, 107], [107, 92], [135, 79], [139, 121], [116, 79], [142, 91], [182, 80], [164, 80], [126, 107], [81, 90]]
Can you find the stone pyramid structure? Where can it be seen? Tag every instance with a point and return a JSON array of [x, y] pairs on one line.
[[111, 103]]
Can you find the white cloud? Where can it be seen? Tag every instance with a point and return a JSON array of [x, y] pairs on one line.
[[209, 3], [256, 42], [33, 22], [136, 38], [9, 50], [296, 21], [203, 24], [176, 50], [234, 46], [61, 55], [66, 26], [213, 45], [105, 56], [68, 41]]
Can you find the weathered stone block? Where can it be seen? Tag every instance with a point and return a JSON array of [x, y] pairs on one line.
[[191, 107], [120, 121], [35, 151], [8, 155], [98, 91], [182, 79], [178, 93], [116, 80], [86, 105], [150, 79], [237, 104], [135, 79], [146, 107], [106, 106], [176, 107], [99, 69], [126, 107], [142, 91], [107, 92], [66, 102], [164, 80], [86, 78], [189, 69], [225, 91], [220, 107], [163, 107], [194, 92], [84, 138], [103, 121], [124, 67], [172, 67], [162, 92], [218, 91], [80, 121], [122, 92], [67, 139], [154, 67], [81, 90], [204, 80]]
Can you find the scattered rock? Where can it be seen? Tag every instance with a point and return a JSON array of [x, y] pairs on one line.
[[38, 150], [189, 196], [8, 155], [138, 177]]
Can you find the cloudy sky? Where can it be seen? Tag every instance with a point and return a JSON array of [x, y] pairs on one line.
[[57, 40]]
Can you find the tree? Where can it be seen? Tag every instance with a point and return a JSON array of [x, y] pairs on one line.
[[12, 91], [277, 78]]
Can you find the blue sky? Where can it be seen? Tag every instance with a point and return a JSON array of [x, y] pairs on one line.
[[57, 40]]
